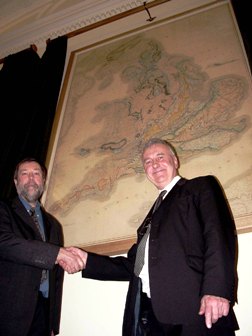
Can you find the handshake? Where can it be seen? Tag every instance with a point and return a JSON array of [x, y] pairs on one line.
[[71, 259]]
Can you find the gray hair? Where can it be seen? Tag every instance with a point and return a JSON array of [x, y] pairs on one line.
[[158, 141]]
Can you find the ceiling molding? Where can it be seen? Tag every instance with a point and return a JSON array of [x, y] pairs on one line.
[[81, 15], [85, 14]]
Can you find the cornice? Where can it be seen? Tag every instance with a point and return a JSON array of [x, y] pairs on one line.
[[76, 17], [81, 16]]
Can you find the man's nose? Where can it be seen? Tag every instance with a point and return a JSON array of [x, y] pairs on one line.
[[155, 164], [31, 176]]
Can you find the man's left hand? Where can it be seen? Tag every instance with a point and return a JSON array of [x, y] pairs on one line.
[[213, 307]]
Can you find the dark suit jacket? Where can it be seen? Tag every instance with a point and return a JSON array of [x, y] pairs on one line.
[[23, 255], [192, 252]]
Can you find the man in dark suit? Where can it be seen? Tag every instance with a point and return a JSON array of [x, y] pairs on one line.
[[187, 284], [30, 249]]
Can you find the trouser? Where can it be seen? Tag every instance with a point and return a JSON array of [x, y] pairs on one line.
[[150, 326], [40, 322]]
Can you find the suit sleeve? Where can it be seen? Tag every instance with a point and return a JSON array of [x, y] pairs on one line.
[[101, 267], [220, 241], [16, 248]]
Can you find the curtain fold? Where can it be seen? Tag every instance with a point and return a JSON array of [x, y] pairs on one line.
[[29, 88]]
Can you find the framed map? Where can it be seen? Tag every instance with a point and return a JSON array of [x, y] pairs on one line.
[[185, 80]]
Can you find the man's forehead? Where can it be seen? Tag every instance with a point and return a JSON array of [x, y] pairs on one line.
[[29, 166], [157, 149]]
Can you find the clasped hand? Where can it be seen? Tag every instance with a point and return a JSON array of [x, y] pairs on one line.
[[71, 259], [213, 307]]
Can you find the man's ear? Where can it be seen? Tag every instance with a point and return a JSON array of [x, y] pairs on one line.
[[176, 160]]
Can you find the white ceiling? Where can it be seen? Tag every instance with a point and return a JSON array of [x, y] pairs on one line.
[[26, 22], [15, 13]]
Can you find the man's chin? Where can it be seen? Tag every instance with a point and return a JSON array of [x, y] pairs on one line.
[[32, 197]]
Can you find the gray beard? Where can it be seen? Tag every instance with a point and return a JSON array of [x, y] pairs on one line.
[[31, 198]]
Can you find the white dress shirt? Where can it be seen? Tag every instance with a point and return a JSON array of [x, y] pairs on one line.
[[144, 274]]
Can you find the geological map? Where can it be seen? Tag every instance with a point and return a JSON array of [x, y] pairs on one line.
[[184, 81]]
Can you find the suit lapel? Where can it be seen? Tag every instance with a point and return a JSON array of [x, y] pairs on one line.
[[175, 190], [26, 219], [164, 206], [165, 203], [46, 224]]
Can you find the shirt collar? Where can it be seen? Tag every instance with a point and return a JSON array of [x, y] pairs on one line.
[[27, 205], [169, 186]]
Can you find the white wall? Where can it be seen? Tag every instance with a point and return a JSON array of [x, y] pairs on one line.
[[243, 309], [94, 308]]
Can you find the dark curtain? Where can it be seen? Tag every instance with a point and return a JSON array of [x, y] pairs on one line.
[[243, 16], [29, 89]]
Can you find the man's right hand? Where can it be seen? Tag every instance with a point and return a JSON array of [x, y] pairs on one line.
[[70, 262]]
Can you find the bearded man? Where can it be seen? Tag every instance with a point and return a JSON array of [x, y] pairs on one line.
[[31, 243]]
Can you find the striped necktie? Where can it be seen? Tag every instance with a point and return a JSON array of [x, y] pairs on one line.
[[36, 222], [139, 262]]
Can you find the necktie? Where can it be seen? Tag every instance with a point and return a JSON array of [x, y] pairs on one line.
[[139, 262], [36, 222]]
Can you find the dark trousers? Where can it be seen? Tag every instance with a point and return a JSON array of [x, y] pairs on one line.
[[150, 326], [40, 322]]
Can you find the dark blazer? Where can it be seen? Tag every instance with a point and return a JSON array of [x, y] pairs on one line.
[[23, 255], [192, 252]]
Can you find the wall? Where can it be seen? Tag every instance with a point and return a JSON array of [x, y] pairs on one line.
[[243, 309], [94, 308]]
